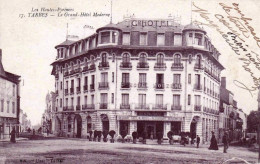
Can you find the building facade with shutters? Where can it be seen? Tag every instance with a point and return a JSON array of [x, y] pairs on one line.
[[138, 75], [9, 101]]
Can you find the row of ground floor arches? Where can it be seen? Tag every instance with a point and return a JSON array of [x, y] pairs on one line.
[[77, 125]]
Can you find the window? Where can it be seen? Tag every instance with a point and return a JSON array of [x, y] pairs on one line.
[[105, 37], [112, 98], [114, 34], [197, 80], [198, 39], [86, 81], [92, 79], [103, 98], [78, 101], [177, 40], [160, 58], [176, 78], [113, 76], [159, 99], [160, 39], [126, 38], [61, 85], [7, 106], [142, 58], [143, 37], [60, 102], [159, 78], [72, 83], [72, 102], [13, 106], [103, 57], [2, 105], [126, 58], [125, 78], [67, 102], [92, 99], [104, 77], [125, 99], [142, 99], [197, 100], [13, 90], [189, 99], [198, 61], [177, 59], [86, 99], [176, 100], [189, 78]]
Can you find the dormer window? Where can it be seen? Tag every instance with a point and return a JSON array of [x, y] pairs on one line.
[[160, 39], [143, 38], [105, 37], [126, 38], [198, 39]]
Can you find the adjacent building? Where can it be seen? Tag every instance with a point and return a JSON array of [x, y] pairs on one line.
[[48, 115], [9, 101], [138, 75], [25, 123]]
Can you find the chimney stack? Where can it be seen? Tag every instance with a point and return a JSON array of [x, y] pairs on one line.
[[223, 82]]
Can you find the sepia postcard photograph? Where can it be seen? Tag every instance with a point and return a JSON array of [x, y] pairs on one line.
[[129, 81]]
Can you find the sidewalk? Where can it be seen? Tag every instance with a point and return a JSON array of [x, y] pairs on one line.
[[17, 139]]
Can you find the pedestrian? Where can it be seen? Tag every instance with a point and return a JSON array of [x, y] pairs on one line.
[[213, 142], [225, 142], [151, 137], [12, 135], [198, 141]]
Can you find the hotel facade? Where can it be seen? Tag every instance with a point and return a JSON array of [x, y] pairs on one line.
[[138, 75]]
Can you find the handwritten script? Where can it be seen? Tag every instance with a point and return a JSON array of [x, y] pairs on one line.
[[236, 32]]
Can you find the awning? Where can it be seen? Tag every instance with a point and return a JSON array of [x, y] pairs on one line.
[[149, 118]]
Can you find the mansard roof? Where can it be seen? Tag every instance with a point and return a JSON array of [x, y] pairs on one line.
[[65, 43]]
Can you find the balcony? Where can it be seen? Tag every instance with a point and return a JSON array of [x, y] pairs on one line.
[[57, 76], [85, 87], [125, 85], [142, 85], [66, 91], [198, 87], [159, 107], [160, 66], [88, 107], [176, 107], [103, 65], [176, 86], [71, 90], [198, 67], [177, 66], [197, 107], [126, 65], [142, 65], [78, 89], [92, 67], [92, 87], [85, 68], [159, 86], [142, 106], [77, 107], [68, 108], [124, 106], [103, 106], [103, 85], [72, 72]]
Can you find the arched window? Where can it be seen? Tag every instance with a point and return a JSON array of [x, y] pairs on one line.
[[177, 59], [142, 58], [160, 59], [103, 57], [126, 58], [198, 60]]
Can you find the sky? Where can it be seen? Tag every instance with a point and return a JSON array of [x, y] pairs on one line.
[[28, 43]]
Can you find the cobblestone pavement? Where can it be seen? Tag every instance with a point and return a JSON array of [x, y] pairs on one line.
[[83, 151]]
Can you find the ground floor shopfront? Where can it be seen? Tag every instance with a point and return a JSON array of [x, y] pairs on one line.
[[6, 126], [78, 124]]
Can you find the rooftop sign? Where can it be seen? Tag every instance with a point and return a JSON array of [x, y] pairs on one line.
[[153, 23]]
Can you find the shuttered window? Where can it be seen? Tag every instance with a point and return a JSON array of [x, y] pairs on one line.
[[152, 38], [135, 37]]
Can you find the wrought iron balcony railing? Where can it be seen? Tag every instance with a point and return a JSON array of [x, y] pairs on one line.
[[176, 86], [125, 85], [160, 106], [126, 65], [77, 107], [177, 66], [197, 107], [142, 85], [72, 90], [160, 66], [124, 106], [198, 87], [103, 106], [159, 85], [85, 87], [92, 86], [176, 107], [142, 65], [88, 106], [142, 106], [103, 65]]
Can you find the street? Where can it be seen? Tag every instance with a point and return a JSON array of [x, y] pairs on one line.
[[84, 151]]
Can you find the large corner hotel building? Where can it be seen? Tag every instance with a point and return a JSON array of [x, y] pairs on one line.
[[138, 75]]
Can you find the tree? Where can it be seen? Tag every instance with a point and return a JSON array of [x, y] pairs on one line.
[[252, 121]]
